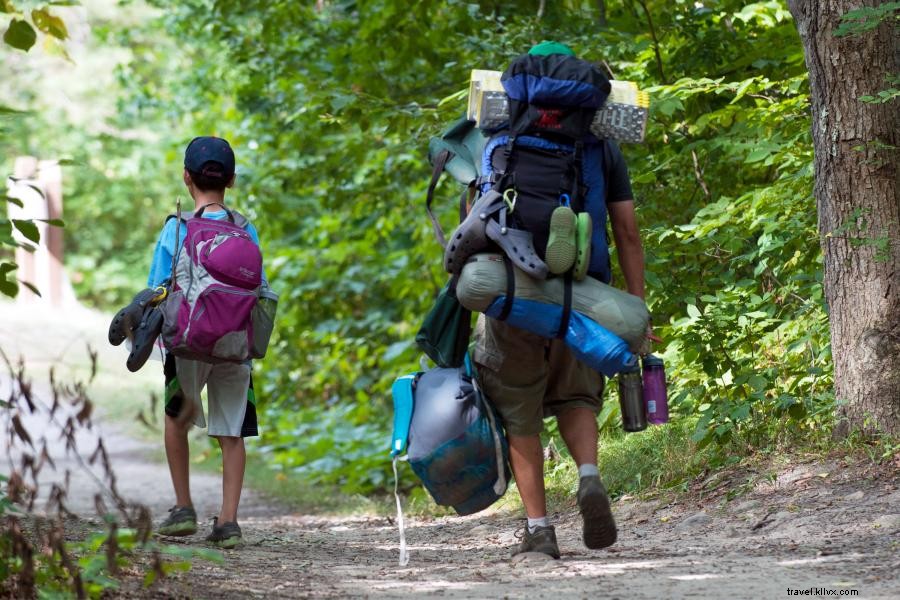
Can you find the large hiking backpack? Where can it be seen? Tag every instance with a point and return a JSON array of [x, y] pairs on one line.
[[213, 311], [546, 154], [540, 157]]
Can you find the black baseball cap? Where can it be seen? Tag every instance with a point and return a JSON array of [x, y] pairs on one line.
[[210, 156]]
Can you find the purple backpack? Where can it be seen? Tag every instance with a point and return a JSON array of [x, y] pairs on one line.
[[213, 311]]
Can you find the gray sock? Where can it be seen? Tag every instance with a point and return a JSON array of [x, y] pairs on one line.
[[587, 470], [539, 522]]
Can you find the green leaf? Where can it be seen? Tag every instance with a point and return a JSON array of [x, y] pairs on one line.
[[49, 24], [693, 311], [9, 288], [53, 222], [15, 201], [758, 155], [758, 382], [20, 35], [28, 229]]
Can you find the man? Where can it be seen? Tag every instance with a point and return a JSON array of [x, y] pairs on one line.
[[528, 377]]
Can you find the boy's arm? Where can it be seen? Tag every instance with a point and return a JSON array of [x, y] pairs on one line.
[[161, 266]]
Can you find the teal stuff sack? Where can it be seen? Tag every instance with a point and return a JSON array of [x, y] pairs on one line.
[[452, 437]]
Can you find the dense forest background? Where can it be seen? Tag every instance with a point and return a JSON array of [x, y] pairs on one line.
[[330, 105]]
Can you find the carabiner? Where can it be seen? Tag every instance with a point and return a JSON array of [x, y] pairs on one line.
[[510, 196]]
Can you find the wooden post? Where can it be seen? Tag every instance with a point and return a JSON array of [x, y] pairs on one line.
[[38, 185]]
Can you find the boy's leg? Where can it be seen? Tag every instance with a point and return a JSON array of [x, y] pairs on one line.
[[179, 415], [178, 457], [229, 408], [234, 460]]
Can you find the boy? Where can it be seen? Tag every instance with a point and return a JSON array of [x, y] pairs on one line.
[[208, 171]]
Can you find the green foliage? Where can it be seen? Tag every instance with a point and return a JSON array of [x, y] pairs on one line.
[[21, 35], [335, 446], [861, 20], [329, 107]]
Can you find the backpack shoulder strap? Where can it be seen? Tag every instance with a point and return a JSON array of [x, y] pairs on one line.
[[183, 216], [240, 220]]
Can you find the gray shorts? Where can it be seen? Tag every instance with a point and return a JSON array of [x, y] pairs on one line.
[[228, 390]]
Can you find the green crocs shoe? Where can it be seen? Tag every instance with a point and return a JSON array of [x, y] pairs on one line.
[[560, 255], [182, 520], [583, 229]]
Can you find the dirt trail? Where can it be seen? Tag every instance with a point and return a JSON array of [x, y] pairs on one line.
[[833, 527]]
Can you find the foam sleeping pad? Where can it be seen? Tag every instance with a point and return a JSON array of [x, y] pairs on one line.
[[483, 280]]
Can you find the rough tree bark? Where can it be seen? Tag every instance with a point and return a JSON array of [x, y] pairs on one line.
[[858, 200]]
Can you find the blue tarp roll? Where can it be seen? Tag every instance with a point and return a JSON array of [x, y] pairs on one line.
[[592, 343]]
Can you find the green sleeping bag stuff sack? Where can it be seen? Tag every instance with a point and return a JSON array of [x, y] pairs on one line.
[[483, 279], [444, 335]]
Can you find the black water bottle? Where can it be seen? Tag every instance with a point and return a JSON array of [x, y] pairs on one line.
[[631, 399]]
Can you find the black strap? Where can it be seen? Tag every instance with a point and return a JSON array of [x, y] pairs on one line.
[[510, 289], [199, 212], [576, 183], [567, 306], [440, 161], [186, 215], [464, 198]]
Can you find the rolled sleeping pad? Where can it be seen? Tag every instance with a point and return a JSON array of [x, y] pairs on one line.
[[483, 279], [593, 344]]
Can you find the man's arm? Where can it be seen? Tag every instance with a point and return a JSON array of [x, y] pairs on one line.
[[628, 245]]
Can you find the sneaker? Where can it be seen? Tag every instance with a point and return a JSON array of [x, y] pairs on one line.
[[599, 526], [226, 535], [182, 520], [542, 539], [561, 253]]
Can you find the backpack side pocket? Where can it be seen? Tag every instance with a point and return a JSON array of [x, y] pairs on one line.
[[262, 321]]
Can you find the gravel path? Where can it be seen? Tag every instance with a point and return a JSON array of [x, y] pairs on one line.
[[829, 527]]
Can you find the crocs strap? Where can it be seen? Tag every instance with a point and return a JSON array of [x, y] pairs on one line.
[[510, 289], [440, 161], [567, 306]]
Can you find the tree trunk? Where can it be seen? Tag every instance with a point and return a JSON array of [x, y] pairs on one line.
[[858, 198]]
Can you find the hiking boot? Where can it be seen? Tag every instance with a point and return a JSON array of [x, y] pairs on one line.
[[599, 527], [542, 540], [182, 520], [226, 535]]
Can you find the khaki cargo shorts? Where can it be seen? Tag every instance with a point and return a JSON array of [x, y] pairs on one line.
[[528, 378]]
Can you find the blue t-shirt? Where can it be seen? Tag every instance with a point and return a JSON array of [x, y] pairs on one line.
[[161, 267]]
